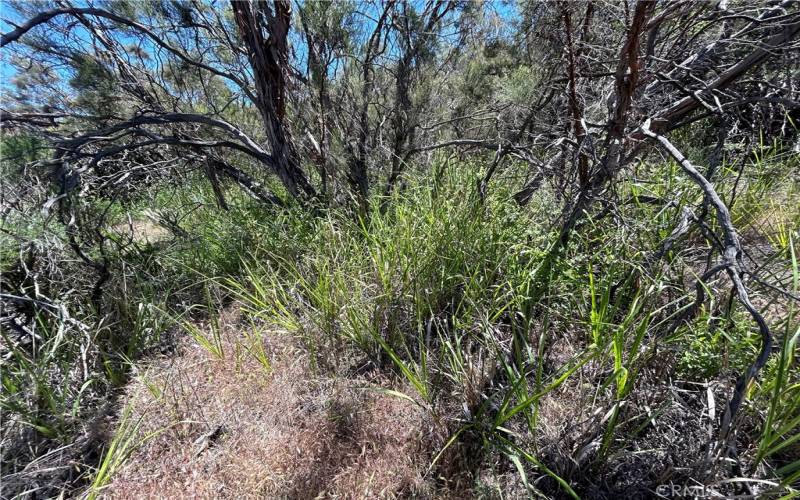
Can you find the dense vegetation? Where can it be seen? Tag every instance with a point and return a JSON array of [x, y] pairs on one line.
[[563, 234]]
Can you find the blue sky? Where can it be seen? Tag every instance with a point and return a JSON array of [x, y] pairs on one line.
[[505, 9]]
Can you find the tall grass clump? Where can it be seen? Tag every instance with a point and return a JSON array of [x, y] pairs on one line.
[[461, 300], [437, 268], [441, 289]]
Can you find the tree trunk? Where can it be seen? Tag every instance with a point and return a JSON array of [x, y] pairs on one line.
[[264, 28]]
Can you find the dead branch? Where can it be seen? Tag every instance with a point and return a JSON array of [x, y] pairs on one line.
[[731, 262]]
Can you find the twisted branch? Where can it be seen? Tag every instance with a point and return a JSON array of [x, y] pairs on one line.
[[731, 263]]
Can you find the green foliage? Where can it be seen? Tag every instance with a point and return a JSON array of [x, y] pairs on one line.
[[441, 290], [708, 350], [125, 441], [494, 69], [96, 86], [19, 149], [780, 438], [473, 308], [436, 259]]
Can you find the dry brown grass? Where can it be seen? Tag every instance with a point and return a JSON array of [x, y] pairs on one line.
[[233, 430], [142, 231]]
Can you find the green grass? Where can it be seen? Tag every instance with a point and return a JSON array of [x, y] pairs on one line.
[[423, 288], [781, 388], [459, 300]]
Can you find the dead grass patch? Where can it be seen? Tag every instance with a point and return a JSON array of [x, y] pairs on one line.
[[234, 430]]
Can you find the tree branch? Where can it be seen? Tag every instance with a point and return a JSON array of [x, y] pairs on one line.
[[732, 263]]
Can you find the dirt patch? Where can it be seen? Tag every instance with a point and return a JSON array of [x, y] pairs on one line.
[[231, 428], [142, 231]]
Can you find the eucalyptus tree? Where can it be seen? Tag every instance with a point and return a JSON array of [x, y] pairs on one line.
[[328, 29], [145, 75], [129, 92]]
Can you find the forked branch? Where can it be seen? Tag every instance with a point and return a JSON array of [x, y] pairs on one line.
[[731, 263]]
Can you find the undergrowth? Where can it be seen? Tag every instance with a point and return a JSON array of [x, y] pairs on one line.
[[556, 378]]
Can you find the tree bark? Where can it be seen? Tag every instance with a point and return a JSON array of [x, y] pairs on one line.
[[264, 29]]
